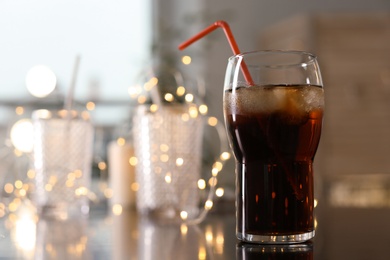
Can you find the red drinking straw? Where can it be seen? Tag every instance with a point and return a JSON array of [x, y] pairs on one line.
[[233, 44]]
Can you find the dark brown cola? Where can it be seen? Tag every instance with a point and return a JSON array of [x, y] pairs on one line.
[[274, 133]]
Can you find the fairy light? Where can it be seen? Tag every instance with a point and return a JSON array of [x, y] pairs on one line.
[[19, 111], [134, 186], [212, 121], [26, 186], [179, 162], [168, 177], [153, 108], [169, 97], [164, 157], [189, 98], [213, 181], [117, 209], [133, 161], [71, 176], [208, 205], [164, 148], [82, 191], [85, 115], [184, 215], [31, 174], [150, 84], [48, 187], [12, 218], [14, 205], [18, 153], [180, 91], [90, 106], [134, 91], [217, 167], [44, 114], [186, 60], [2, 210], [219, 192], [183, 229], [225, 156], [153, 81], [219, 242], [193, 112], [78, 173], [18, 184], [62, 113], [108, 193], [185, 117], [201, 184], [209, 234], [102, 166], [53, 179], [203, 109], [121, 141], [202, 253], [69, 183], [8, 188], [50, 249], [141, 99], [147, 86], [22, 192]]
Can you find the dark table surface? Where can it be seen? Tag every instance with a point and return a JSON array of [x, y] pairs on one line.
[[352, 223]]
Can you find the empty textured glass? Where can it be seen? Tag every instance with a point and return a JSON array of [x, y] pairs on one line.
[[62, 158], [168, 146]]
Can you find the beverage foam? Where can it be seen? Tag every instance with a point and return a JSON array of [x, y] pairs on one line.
[[293, 101]]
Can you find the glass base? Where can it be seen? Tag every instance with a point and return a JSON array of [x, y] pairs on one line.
[[282, 239]]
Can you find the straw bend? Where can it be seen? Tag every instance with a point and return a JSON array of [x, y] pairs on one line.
[[224, 25], [232, 42]]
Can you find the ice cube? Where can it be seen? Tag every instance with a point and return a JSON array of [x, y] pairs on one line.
[[253, 100], [314, 97], [294, 102]]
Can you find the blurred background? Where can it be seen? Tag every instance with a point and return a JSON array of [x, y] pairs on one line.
[[116, 42]]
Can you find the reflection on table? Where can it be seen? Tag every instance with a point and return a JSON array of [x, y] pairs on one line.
[[295, 251], [136, 237], [352, 217], [105, 235]]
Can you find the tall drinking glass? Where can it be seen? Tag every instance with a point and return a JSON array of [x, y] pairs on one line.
[[274, 125]]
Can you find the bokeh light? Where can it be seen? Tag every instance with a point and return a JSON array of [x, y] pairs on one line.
[[22, 135], [186, 60], [40, 81], [90, 105]]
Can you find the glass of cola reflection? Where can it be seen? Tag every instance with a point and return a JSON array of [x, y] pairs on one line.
[[274, 125]]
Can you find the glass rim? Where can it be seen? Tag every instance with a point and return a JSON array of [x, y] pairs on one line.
[[310, 57], [62, 114]]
